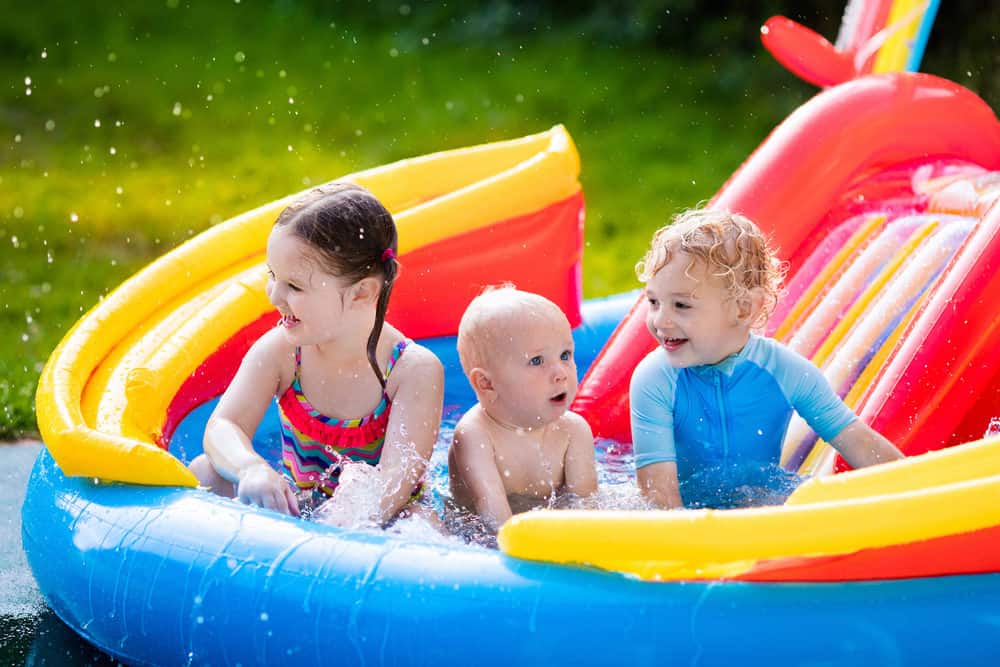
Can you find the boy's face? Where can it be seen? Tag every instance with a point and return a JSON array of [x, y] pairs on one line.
[[692, 316], [532, 371]]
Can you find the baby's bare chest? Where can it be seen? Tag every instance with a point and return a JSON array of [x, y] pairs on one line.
[[530, 468]]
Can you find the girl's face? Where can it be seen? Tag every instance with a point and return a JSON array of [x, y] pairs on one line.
[[692, 315], [312, 302]]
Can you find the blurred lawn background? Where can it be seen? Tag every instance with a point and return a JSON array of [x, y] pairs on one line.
[[126, 131]]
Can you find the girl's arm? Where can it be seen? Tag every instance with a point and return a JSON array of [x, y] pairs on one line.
[[229, 431], [472, 467], [862, 446], [581, 470], [658, 484], [412, 430]]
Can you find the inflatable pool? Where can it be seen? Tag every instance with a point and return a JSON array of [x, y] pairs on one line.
[[879, 192]]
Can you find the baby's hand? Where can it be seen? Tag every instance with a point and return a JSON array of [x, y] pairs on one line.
[[261, 485]]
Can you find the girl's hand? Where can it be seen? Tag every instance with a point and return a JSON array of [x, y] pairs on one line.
[[260, 484]]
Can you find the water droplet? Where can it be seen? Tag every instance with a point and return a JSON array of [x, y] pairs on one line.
[[97, 122], [177, 109]]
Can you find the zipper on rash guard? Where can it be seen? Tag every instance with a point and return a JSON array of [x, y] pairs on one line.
[[722, 415]]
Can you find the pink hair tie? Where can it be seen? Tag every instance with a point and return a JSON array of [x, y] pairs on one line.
[[388, 254]]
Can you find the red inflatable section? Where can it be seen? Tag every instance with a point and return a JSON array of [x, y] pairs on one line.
[[836, 146], [809, 55], [975, 552], [540, 252]]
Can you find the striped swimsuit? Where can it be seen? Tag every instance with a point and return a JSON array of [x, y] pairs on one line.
[[313, 446]]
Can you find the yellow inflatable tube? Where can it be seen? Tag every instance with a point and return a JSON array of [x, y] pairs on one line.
[[104, 391], [897, 503]]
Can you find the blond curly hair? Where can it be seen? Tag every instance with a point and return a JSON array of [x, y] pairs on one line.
[[729, 245]]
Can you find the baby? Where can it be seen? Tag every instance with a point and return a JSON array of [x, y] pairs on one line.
[[519, 447]]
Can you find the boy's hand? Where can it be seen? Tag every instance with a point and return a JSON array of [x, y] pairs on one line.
[[261, 485]]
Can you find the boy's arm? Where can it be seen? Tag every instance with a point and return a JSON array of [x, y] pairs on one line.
[[651, 397], [472, 465], [862, 446], [658, 484], [580, 472], [814, 399]]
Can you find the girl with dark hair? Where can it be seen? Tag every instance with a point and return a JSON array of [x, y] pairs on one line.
[[354, 394]]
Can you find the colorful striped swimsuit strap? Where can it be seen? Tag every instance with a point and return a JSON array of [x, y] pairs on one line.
[[397, 352], [296, 390]]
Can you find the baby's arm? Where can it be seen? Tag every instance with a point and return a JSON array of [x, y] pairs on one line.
[[862, 446], [229, 430], [580, 473], [412, 430], [474, 475]]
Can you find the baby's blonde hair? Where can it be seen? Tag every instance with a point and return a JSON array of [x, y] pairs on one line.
[[490, 315], [730, 246]]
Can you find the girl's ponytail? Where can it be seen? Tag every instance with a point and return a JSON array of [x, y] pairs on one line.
[[390, 267]]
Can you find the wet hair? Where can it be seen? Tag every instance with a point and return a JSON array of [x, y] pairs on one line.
[[350, 231], [489, 314], [729, 245]]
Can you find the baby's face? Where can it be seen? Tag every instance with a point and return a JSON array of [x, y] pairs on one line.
[[533, 370], [692, 315]]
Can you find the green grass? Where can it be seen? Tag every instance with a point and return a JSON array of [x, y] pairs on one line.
[[145, 129]]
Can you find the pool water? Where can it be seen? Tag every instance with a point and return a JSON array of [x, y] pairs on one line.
[[617, 491]]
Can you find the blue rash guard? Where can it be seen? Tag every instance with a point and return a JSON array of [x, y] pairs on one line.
[[723, 424]]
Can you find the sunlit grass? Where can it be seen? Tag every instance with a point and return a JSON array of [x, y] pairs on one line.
[[141, 131]]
